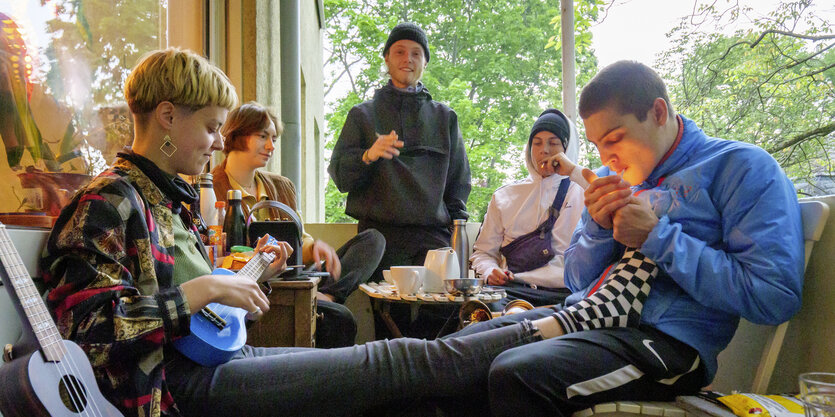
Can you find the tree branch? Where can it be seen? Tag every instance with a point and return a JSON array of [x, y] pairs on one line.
[[811, 56], [791, 35], [347, 70], [821, 131], [344, 71], [818, 71], [762, 35]]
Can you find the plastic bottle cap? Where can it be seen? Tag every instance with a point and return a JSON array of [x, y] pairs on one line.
[[240, 248], [220, 204]]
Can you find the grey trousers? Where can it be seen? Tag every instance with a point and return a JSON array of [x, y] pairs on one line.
[[344, 381]]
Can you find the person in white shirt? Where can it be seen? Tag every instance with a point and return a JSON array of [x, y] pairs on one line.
[[520, 246]]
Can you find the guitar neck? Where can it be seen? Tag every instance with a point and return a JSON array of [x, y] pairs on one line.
[[256, 265], [28, 300]]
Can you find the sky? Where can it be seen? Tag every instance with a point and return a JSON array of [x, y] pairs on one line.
[[619, 37], [636, 29]]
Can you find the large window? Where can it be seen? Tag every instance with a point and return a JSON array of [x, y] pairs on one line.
[[62, 110]]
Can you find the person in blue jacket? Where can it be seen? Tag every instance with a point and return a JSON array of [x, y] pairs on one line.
[[719, 218]]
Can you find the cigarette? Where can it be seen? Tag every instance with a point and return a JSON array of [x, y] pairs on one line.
[[554, 163]]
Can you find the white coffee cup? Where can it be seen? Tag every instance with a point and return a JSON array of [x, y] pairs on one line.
[[408, 279], [387, 276]]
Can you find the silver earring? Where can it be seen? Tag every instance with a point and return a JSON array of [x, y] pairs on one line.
[[168, 147]]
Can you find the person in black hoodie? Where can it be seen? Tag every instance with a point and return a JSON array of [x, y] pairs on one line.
[[401, 159]]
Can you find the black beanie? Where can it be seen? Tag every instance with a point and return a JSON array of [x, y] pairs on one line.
[[410, 31], [552, 120]]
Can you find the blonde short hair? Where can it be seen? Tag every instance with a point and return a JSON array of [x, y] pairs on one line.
[[179, 76]]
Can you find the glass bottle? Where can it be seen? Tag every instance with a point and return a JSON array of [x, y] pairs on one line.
[[234, 224]]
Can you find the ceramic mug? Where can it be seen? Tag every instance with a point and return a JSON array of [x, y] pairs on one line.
[[408, 279], [387, 276]]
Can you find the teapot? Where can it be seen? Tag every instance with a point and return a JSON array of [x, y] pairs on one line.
[[440, 264]]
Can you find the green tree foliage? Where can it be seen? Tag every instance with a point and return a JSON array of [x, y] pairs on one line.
[[103, 39], [496, 63], [772, 85], [93, 46]]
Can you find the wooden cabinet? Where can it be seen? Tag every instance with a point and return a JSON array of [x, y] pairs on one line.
[[291, 320]]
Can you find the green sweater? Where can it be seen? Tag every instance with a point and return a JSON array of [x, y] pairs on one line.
[[188, 261]]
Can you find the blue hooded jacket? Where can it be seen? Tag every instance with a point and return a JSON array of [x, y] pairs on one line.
[[728, 243]]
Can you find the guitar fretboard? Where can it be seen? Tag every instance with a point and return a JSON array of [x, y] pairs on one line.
[[256, 265], [30, 300]]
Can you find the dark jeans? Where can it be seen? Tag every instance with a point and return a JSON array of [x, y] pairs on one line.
[[338, 382], [336, 326], [559, 376], [539, 297], [359, 258]]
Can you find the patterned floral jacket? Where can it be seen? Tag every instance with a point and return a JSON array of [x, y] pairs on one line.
[[109, 261]]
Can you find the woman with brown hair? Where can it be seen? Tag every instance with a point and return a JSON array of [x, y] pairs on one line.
[[250, 134]]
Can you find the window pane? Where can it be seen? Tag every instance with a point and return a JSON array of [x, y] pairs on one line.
[[62, 110]]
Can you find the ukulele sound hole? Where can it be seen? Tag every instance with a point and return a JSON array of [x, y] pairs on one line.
[[73, 394]]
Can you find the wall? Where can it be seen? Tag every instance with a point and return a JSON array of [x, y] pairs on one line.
[[185, 28], [313, 111], [253, 57]]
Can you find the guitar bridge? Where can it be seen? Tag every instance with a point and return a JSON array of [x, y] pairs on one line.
[[213, 318]]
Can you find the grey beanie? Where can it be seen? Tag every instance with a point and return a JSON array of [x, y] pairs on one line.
[[410, 31], [552, 120]]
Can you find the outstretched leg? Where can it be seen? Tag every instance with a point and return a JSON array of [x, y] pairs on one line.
[[617, 303]]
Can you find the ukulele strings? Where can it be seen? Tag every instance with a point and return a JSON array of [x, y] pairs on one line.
[[225, 311], [74, 389]]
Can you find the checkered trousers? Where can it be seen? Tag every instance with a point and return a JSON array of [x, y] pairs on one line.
[[618, 303]]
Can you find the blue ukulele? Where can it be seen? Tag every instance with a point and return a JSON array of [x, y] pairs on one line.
[[219, 331]]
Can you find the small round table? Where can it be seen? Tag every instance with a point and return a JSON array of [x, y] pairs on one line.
[[384, 294]]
